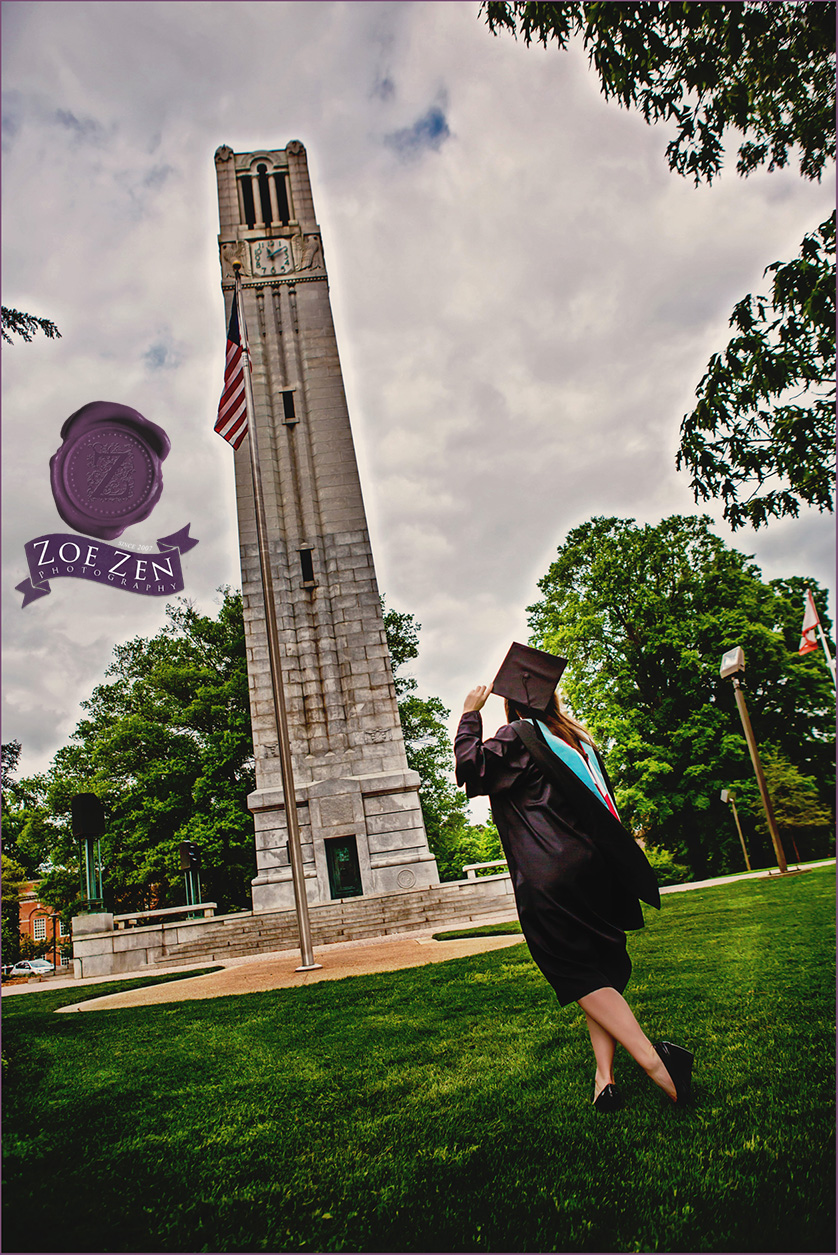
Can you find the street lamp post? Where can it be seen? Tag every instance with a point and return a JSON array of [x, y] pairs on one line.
[[88, 825], [732, 663], [727, 796], [190, 865], [54, 916]]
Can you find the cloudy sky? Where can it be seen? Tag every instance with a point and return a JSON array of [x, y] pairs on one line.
[[525, 299]]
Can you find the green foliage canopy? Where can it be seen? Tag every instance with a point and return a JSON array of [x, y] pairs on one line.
[[28, 829], [644, 615], [765, 417], [763, 69], [761, 436], [166, 746], [13, 879], [795, 801]]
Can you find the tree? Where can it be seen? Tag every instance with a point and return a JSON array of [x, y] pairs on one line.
[[766, 406], [166, 745], [27, 822], [766, 71], [453, 840], [25, 326], [23, 805], [13, 879], [644, 614], [9, 759], [804, 821], [16, 945]]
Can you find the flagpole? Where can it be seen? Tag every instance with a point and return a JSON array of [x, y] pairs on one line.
[[829, 661], [275, 660]]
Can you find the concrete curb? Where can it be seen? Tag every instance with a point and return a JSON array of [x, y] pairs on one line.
[[760, 875]]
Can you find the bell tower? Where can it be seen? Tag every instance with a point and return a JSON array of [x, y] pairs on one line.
[[358, 804]]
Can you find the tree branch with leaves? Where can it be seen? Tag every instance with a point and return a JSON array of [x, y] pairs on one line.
[[761, 435], [765, 414], [763, 69], [25, 326]]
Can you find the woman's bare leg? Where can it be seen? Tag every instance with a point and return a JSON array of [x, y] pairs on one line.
[[612, 1013], [604, 1046]]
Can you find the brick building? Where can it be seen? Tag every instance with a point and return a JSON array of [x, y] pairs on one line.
[[38, 923]]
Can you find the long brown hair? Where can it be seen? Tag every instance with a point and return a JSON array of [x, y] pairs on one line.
[[557, 720]]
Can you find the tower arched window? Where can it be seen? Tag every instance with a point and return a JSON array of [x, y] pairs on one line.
[[263, 197]]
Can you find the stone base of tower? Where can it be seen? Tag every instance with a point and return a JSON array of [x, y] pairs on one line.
[[360, 836]]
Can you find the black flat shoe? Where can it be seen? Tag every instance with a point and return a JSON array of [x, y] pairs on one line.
[[679, 1064], [608, 1099]]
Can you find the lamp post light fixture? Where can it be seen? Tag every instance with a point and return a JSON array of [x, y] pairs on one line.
[[727, 796], [190, 865], [733, 662], [88, 818]]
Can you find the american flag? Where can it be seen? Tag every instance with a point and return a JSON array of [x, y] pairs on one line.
[[232, 409]]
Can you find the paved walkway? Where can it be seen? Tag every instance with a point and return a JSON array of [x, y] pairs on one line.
[[255, 974], [277, 970]]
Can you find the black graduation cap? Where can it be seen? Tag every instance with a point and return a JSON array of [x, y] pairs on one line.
[[528, 676]]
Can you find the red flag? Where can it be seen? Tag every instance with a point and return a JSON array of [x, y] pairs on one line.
[[810, 623], [232, 410]]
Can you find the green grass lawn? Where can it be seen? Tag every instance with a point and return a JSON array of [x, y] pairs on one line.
[[504, 929], [443, 1108]]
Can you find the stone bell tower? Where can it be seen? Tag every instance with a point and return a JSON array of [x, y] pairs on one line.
[[358, 804]]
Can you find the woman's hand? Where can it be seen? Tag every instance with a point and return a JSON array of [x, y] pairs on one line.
[[477, 697]]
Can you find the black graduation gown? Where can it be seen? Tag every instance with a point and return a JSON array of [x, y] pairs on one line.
[[576, 873]]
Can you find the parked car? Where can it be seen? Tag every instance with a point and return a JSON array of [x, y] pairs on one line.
[[32, 967]]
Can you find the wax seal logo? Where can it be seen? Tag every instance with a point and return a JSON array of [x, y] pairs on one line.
[[107, 474], [150, 574]]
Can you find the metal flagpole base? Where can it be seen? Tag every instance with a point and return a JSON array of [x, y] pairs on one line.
[[308, 967]]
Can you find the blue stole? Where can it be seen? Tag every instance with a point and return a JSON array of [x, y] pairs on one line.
[[584, 766]]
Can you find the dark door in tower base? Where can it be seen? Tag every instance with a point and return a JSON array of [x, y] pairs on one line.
[[344, 872]]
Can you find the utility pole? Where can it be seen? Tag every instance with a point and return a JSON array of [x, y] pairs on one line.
[[727, 796]]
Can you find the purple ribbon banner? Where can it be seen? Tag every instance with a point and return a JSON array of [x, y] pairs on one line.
[[67, 553]]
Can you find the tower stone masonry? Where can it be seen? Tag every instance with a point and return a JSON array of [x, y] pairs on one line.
[[358, 804]]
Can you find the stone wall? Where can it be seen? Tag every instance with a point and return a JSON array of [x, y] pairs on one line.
[[100, 951]]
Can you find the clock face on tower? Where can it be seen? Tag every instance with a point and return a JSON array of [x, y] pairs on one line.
[[271, 257]]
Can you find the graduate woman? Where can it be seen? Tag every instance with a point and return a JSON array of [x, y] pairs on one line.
[[576, 872]]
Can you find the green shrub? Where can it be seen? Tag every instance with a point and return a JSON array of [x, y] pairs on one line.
[[667, 870]]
